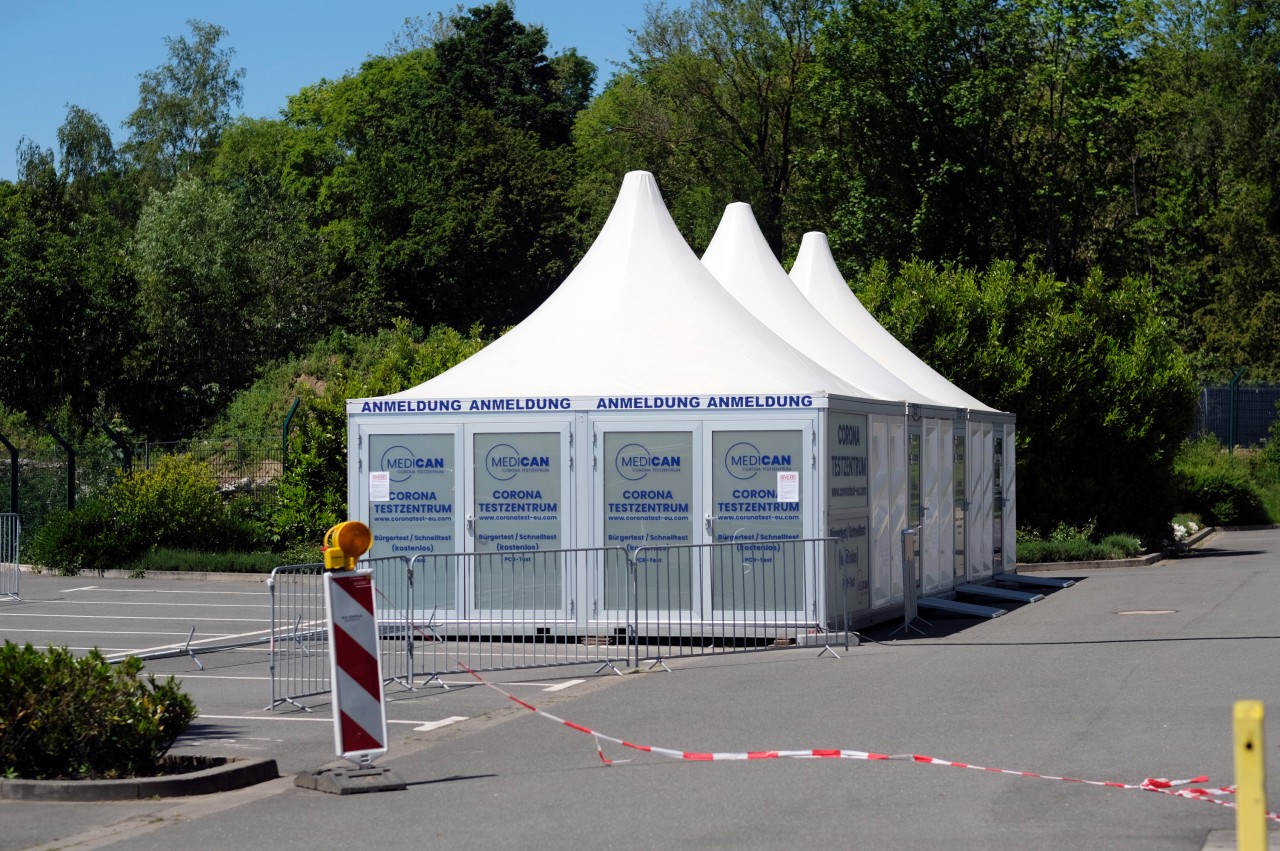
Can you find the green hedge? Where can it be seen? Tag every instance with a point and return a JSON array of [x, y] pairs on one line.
[[68, 717], [1217, 485]]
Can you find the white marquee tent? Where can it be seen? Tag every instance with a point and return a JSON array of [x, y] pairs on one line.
[[641, 405]]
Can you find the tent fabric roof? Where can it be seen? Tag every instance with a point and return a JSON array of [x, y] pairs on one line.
[[816, 275], [639, 315], [745, 265]]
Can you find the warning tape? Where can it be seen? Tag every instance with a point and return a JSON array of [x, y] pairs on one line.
[[1162, 785]]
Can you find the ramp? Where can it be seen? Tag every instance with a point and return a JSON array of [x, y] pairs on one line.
[[955, 607], [1033, 581], [998, 593]]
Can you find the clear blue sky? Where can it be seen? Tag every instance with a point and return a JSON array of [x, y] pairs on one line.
[[54, 53]]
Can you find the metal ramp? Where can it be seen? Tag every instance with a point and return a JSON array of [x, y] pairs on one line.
[[1033, 581], [977, 590], [955, 607]]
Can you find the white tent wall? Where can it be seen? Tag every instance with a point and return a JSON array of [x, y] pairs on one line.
[[1009, 521], [937, 530], [888, 471], [981, 492]]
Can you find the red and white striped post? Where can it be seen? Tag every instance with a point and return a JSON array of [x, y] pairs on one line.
[[355, 667]]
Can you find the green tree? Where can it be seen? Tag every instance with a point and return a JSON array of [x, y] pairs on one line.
[[449, 203], [1205, 190], [1102, 394], [195, 304], [714, 103], [183, 106], [65, 289]]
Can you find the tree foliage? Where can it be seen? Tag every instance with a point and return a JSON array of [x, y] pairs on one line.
[[1102, 394]]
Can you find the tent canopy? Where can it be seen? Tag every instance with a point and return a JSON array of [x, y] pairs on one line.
[[638, 315], [741, 259], [816, 275]]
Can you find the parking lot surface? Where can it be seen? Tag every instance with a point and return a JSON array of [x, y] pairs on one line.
[[1130, 674]]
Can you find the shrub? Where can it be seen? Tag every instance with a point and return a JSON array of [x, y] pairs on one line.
[[1217, 485], [68, 717], [88, 538], [1066, 543], [174, 504]]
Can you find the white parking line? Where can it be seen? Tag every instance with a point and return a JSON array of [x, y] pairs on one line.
[[131, 618], [435, 725], [105, 632], [565, 685], [160, 591], [429, 725], [262, 603]]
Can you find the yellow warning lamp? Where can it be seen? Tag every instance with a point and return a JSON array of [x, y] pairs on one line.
[[345, 543]]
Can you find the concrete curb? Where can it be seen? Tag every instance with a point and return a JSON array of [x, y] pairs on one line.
[[222, 774], [186, 575]]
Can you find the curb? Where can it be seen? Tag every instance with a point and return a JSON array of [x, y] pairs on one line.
[[182, 575], [223, 775]]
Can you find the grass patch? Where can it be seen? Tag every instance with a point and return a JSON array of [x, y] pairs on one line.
[[193, 561]]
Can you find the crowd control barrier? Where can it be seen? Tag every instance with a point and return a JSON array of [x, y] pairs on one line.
[[611, 606], [299, 655], [10, 529]]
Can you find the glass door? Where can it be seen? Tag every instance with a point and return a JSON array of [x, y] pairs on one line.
[[518, 520]]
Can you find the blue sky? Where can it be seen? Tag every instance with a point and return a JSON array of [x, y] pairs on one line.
[[89, 53]]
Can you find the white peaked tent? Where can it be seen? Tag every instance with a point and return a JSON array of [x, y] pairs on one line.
[[742, 261], [984, 538], [639, 314], [818, 278], [641, 405]]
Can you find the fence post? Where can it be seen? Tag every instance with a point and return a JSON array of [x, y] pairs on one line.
[[284, 435], [13, 474], [1233, 392], [126, 451], [71, 467]]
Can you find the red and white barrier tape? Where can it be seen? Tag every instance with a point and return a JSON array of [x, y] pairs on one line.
[[1151, 784]]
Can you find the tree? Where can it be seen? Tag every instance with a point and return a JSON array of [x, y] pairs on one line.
[[65, 290], [714, 102], [195, 303], [184, 106], [448, 205], [1103, 395]]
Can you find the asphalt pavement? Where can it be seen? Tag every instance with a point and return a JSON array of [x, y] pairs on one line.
[[1129, 674]]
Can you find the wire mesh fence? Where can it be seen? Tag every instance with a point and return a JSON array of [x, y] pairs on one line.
[[51, 480], [1255, 411]]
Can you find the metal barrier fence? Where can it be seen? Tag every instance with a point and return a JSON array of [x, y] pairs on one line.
[[722, 598], [10, 531], [503, 611], [299, 660], [441, 614]]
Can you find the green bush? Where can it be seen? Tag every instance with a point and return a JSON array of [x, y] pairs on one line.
[[1217, 485], [68, 717], [89, 538], [1066, 543], [174, 504]]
